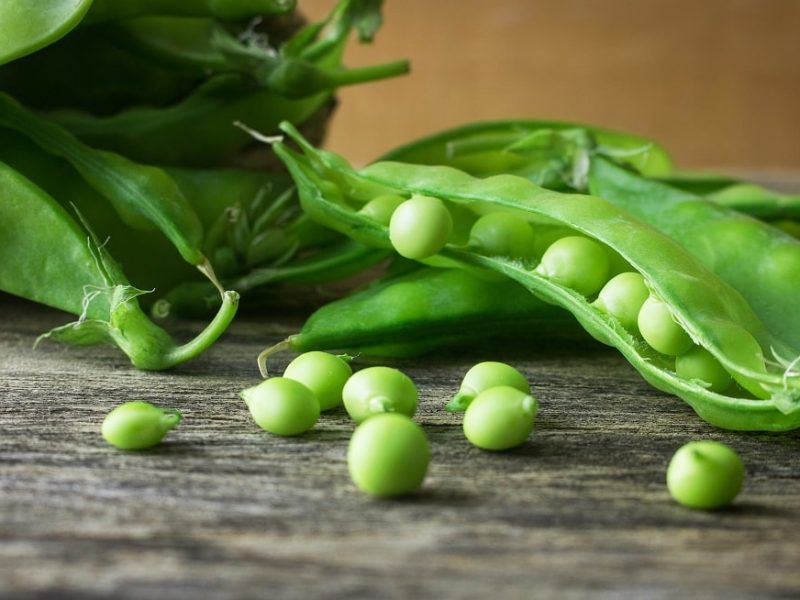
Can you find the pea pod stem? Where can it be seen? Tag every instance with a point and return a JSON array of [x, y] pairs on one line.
[[263, 357]]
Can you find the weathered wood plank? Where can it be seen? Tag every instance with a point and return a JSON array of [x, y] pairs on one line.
[[226, 511]]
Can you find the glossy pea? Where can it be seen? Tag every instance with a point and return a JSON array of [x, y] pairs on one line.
[[376, 390], [323, 373], [483, 376], [282, 406], [138, 425], [576, 262], [388, 455], [705, 475], [699, 363], [622, 297], [419, 227], [502, 234], [382, 208], [500, 418], [660, 329]]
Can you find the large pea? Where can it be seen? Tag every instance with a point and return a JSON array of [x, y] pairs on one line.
[[705, 475], [483, 376], [500, 418], [323, 373], [502, 234], [388, 455], [622, 297], [576, 262], [699, 363], [378, 390], [659, 328], [282, 406], [138, 425], [419, 227]]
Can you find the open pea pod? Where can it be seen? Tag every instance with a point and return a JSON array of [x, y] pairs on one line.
[[49, 258], [714, 315], [26, 27], [760, 261]]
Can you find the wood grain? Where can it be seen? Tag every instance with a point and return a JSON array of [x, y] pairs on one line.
[[224, 510]]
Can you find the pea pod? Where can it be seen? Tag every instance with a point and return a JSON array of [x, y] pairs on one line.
[[714, 315], [47, 257], [427, 309], [27, 26], [110, 10]]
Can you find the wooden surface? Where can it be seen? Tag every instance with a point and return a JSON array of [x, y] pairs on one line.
[[224, 510], [716, 81]]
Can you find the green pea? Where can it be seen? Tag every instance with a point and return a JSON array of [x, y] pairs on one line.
[[576, 262], [282, 406], [500, 418], [622, 297], [503, 234], [380, 209], [379, 390], [419, 227], [699, 363], [138, 425], [324, 374], [483, 376], [705, 475], [660, 330], [388, 455]]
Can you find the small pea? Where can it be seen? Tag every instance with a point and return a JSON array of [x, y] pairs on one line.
[[699, 363], [419, 227], [500, 418], [380, 209], [388, 455], [577, 263], [502, 234], [659, 329], [138, 425], [705, 475], [282, 406], [483, 376], [622, 297], [378, 390], [324, 374]]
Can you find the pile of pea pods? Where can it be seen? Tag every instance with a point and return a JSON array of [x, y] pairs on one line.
[[127, 184], [693, 279]]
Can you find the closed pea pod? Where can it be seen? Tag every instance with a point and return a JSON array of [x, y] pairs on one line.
[[376, 390]]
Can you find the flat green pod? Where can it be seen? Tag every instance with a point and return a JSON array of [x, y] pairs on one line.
[[714, 315]]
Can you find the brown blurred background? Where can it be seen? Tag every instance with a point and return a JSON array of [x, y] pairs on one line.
[[716, 81]]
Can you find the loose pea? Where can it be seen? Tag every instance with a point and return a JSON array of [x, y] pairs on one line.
[[502, 234], [381, 208], [419, 227], [576, 262], [324, 374], [500, 418], [388, 455], [699, 363], [660, 330], [705, 475], [622, 297], [138, 425], [378, 390], [483, 376], [282, 406]]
